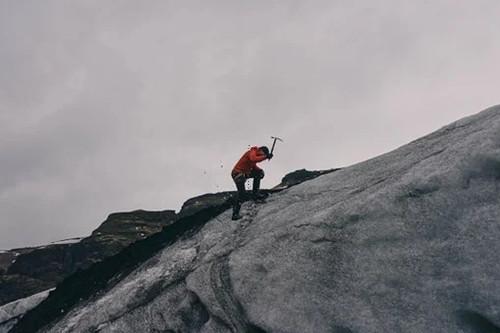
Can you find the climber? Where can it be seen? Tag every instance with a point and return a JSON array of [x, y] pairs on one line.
[[247, 168]]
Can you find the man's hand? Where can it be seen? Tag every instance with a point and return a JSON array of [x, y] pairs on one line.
[[270, 156]]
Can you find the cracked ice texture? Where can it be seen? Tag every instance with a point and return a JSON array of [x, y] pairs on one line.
[[405, 242]]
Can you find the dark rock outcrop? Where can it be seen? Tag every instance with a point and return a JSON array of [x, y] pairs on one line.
[[199, 203], [302, 175]]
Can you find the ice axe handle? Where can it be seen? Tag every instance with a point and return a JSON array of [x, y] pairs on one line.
[[274, 142]]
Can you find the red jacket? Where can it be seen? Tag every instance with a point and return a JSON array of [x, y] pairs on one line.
[[249, 160]]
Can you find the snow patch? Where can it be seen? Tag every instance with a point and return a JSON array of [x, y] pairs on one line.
[[67, 241]]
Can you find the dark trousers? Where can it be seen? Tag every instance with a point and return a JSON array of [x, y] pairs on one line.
[[241, 194]]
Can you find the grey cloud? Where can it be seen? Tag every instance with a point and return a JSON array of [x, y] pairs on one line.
[[109, 106]]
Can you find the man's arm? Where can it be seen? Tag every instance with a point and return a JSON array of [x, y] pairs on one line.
[[256, 155]]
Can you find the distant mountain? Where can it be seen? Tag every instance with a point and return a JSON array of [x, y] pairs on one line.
[[404, 242], [26, 271]]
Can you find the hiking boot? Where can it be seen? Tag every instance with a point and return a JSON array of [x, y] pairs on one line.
[[259, 197], [236, 216]]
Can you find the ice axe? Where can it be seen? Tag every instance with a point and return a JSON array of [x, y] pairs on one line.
[[275, 138]]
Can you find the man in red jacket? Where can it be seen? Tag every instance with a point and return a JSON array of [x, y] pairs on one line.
[[247, 168]]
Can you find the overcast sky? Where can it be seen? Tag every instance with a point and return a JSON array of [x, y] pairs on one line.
[[112, 106]]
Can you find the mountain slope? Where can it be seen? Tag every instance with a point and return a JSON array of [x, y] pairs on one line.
[[405, 242]]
